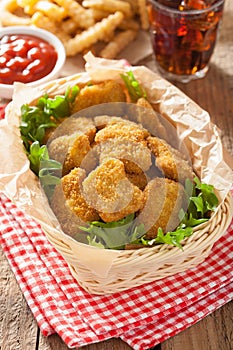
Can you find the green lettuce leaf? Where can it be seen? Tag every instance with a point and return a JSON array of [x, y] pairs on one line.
[[202, 200], [35, 120]]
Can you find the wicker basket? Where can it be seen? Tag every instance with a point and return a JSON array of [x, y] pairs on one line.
[[130, 268]]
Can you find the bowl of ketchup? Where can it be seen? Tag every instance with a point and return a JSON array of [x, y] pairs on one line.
[[28, 55]]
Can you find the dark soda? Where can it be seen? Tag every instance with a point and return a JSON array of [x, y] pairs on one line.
[[184, 34]]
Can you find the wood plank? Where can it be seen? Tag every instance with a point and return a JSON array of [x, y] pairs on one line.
[[111, 344], [18, 328], [54, 342], [213, 332]]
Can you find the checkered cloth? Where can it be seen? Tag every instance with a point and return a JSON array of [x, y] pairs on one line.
[[142, 316]]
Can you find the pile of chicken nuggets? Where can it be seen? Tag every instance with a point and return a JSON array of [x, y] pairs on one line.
[[105, 27], [113, 167]]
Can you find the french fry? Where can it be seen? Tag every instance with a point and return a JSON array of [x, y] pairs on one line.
[[129, 23], [12, 20], [8, 18], [11, 6], [51, 10], [142, 9], [70, 27], [95, 33], [119, 42], [23, 3], [134, 6], [42, 21], [109, 6], [99, 14], [80, 15], [81, 25], [27, 6]]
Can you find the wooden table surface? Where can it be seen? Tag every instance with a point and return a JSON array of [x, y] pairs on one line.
[[214, 93]]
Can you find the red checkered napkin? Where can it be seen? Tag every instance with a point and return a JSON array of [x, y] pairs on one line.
[[142, 316], [156, 332]]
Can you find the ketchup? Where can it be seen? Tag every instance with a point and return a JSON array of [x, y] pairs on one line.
[[25, 58]]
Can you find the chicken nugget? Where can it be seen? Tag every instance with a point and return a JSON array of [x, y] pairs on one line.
[[72, 125], [136, 202], [169, 160], [126, 131], [72, 151], [164, 199], [58, 148], [101, 121], [111, 193], [135, 156], [69, 222], [71, 185], [79, 154], [108, 91]]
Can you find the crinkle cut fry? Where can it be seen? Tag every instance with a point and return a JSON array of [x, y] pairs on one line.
[[129, 23], [49, 9], [79, 15], [109, 6], [44, 22], [134, 6], [119, 42], [99, 31], [143, 14], [8, 18]]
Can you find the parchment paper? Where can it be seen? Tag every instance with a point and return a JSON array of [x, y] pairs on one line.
[[193, 125]]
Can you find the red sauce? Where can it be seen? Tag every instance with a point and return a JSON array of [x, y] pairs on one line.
[[25, 58]]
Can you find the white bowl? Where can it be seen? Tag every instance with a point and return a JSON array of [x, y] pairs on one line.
[[6, 90]]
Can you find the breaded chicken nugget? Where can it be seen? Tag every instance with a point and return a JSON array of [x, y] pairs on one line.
[[79, 154], [135, 156], [71, 185], [130, 133], [164, 199], [108, 91], [101, 121], [72, 151], [169, 160], [111, 193], [123, 130], [58, 148], [72, 125], [68, 220]]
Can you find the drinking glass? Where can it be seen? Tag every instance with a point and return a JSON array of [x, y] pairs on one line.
[[183, 34]]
